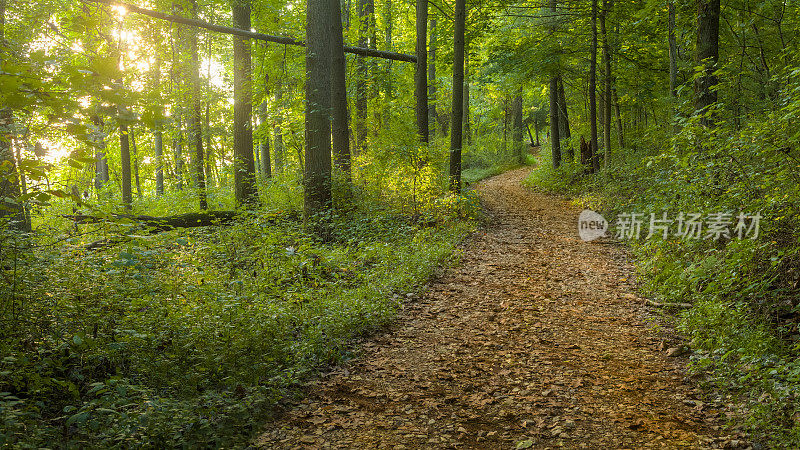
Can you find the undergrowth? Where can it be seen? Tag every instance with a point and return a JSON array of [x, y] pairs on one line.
[[743, 323], [188, 338]]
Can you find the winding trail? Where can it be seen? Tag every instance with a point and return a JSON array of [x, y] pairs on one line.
[[536, 340]]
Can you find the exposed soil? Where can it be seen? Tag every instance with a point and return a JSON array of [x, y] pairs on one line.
[[536, 340]]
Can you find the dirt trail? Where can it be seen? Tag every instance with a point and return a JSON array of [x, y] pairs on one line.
[[535, 340]]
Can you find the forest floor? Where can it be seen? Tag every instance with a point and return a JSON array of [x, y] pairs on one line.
[[535, 340]]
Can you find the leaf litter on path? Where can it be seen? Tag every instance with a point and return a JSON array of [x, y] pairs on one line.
[[536, 340]]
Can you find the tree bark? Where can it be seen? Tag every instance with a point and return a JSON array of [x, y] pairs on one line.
[[243, 165], [519, 145], [125, 161], [317, 172], [467, 131], [707, 55], [593, 92], [101, 163], [135, 161], [158, 149], [159, 224], [266, 163], [432, 115], [279, 148], [563, 120], [341, 119], [673, 51], [620, 136], [9, 181], [555, 137], [607, 82], [178, 149], [389, 22], [421, 74], [458, 96], [362, 77]]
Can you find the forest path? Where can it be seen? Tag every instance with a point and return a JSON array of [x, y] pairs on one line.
[[535, 340]]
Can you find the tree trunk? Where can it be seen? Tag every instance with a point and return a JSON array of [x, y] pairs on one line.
[[125, 161], [9, 183], [389, 22], [341, 119], [519, 145], [555, 137], [158, 149], [135, 161], [505, 125], [607, 81], [243, 165], [279, 148], [467, 131], [101, 163], [362, 77], [563, 120], [421, 74], [266, 163], [707, 55], [432, 115], [178, 144], [317, 173], [593, 92], [620, 136], [458, 96], [673, 51]]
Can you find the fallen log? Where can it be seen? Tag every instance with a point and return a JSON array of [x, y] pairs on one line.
[[668, 305], [159, 224]]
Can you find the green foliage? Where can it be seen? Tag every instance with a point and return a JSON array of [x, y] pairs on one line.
[[190, 337], [743, 325]]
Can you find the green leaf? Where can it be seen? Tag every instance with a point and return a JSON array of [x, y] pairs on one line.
[[78, 418]]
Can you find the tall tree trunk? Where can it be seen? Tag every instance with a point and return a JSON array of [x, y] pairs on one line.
[[243, 165], [125, 161], [9, 182], [555, 137], [707, 55], [101, 163], [519, 145], [432, 115], [317, 173], [458, 96], [178, 149], [505, 126], [620, 136], [673, 51], [389, 22], [135, 161], [209, 148], [158, 149], [341, 119], [362, 77], [195, 122], [593, 91], [420, 73], [563, 120], [467, 131], [263, 146], [607, 4], [280, 152]]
